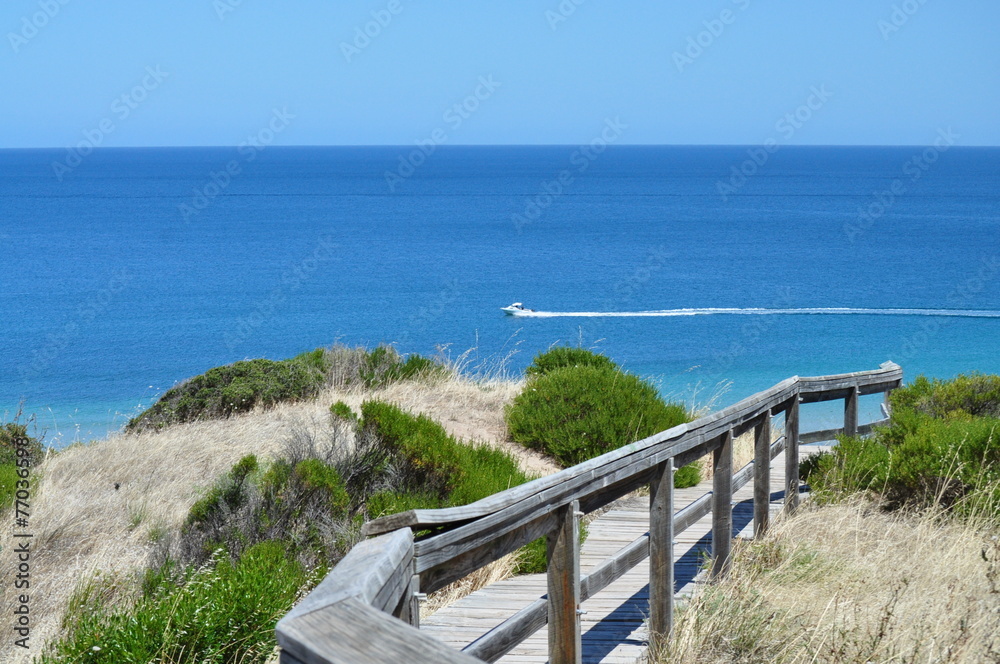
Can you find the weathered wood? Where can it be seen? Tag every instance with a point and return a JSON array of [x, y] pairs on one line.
[[353, 632], [792, 457], [661, 552], [507, 635], [379, 574], [762, 475], [851, 413], [831, 434], [376, 571], [564, 588], [411, 614], [451, 570], [722, 505]]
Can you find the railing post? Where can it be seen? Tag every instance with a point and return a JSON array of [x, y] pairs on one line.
[[792, 456], [851, 413], [762, 475], [564, 588], [722, 504], [413, 598], [661, 551]]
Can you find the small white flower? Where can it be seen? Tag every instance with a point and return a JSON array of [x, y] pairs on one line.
[[96, 648]]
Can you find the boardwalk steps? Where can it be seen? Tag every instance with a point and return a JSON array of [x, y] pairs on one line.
[[613, 627]]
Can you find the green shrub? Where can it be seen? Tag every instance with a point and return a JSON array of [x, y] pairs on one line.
[[341, 411], [221, 613], [687, 476], [941, 446], [435, 462], [234, 388], [11, 434], [8, 484], [384, 365], [966, 395], [302, 502], [239, 387], [438, 471], [561, 357], [577, 413]]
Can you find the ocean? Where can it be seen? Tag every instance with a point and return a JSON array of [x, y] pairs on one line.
[[128, 270]]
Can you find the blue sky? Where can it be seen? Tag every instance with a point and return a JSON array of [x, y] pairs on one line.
[[212, 72]]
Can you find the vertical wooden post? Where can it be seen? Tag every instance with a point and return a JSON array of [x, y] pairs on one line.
[[851, 413], [564, 588], [792, 456], [722, 504], [762, 475], [414, 601], [661, 552]]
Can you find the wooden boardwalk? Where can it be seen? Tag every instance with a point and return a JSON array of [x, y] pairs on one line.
[[613, 625]]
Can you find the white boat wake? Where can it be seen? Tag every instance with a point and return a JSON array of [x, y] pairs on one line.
[[814, 311]]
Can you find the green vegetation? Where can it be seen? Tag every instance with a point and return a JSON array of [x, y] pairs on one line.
[[942, 446], [221, 612], [239, 387], [578, 405], [13, 437], [561, 357]]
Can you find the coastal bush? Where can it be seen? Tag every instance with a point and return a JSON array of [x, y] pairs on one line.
[[435, 463], [234, 388], [300, 501], [221, 612], [434, 470], [242, 386], [941, 446], [579, 412], [14, 436], [561, 357]]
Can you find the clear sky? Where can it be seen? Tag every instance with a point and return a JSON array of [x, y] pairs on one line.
[[212, 72]]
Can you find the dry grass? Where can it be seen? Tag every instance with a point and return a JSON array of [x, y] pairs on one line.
[[83, 525], [742, 454], [482, 577], [848, 583]]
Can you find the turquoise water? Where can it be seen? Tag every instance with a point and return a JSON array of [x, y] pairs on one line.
[[141, 267]]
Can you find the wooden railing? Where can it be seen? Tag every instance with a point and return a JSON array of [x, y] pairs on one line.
[[366, 610]]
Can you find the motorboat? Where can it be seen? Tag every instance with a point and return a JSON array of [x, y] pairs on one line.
[[516, 309]]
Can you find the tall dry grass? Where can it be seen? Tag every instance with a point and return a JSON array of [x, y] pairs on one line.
[[100, 507], [849, 583]]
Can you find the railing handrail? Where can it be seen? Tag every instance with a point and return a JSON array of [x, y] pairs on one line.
[[386, 573]]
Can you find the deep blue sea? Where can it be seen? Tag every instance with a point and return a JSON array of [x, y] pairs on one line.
[[133, 269]]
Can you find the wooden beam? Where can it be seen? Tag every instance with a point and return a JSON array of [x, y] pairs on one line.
[[762, 475], [792, 457], [722, 505], [353, 632], [851, 413], [564, 588], [661, 552]]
